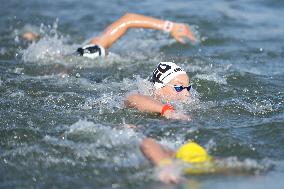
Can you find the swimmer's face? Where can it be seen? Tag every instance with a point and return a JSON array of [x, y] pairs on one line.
[[169, 93]]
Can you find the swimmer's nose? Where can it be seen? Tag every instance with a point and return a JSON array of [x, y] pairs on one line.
[[186, 93]]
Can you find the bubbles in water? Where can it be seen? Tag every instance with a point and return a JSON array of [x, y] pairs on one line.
[[232, 164], [3, 51], [256, 107], [260, 107], [144, 86], [18, 94], [212, 77], [211, 145], [18, 70], [198, 37], [87, 139], [46, 50], [108, 101]]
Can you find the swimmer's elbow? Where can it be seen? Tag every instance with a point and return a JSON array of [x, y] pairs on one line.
[[146, 144], [134, 101], [129, 16], [141, 102], [130, 100]]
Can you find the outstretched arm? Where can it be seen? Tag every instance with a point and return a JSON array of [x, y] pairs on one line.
[[117, 29], [148, 104]]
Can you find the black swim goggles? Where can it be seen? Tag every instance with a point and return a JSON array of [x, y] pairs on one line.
[[180, 88]]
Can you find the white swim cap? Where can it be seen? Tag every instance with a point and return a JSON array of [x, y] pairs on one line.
[[164, 73], [91, 51]]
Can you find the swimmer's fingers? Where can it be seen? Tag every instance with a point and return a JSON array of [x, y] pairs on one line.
[[171, 114], [170, 179], [181, 31], [167, 175], [177, 33], [180, 40], [189, 33]]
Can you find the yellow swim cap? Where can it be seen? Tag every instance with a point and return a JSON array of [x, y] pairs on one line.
[[192, 152]]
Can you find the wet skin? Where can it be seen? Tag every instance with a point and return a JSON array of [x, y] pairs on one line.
[[168, 93]]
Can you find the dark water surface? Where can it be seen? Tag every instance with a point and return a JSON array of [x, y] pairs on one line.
[[62, 118]]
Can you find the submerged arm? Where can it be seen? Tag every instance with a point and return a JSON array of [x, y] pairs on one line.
[[154, 151], [117, 29], [162, 158]]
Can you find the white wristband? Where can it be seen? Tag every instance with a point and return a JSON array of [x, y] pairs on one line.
[[168, 26]]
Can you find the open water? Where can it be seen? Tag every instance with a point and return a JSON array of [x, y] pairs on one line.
[[62, 118]]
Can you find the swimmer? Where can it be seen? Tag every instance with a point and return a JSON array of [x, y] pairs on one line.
[[99, 45], [167, 160], [170, 83], [192, 159]]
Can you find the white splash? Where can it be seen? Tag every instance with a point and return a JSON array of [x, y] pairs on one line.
[[46, 50], [88, 139], [212, 77]]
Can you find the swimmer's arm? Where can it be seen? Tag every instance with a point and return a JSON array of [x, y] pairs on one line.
[[143, 103], [148, 104], [117, 29], [155, 152], [161, 158]]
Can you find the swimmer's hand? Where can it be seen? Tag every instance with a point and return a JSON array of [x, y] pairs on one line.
[[181, 32], [168, 174], [30, 36], [172, 114]]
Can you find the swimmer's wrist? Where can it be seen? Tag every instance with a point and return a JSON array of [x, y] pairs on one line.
[[164, 162], [166, 108], [168, 26]]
